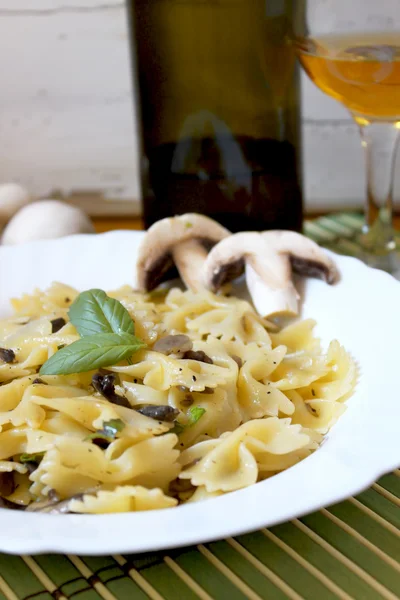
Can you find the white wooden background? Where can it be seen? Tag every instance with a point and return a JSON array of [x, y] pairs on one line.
[[66, 118]]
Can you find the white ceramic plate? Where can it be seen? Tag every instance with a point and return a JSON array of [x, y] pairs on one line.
[[362, 311]]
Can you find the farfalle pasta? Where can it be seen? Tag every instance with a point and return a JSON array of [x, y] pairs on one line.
[[239, 401]]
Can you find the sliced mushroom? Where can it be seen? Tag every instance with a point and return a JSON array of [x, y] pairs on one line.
[[7, 485], [180, 242], [198, 355], [173, 344], [268, 259], [104, 384], [57, 324], [7, 355], [53, 506], [4, 503], [159, 412]]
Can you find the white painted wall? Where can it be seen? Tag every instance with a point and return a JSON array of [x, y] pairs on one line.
[[66, 119]]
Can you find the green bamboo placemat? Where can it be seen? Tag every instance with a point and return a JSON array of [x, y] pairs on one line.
[[349, 551]]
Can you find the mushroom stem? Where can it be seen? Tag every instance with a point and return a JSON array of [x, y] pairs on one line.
[[270, 301], [189, 257]]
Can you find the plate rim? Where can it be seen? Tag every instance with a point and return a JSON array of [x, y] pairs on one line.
[[35, 542]]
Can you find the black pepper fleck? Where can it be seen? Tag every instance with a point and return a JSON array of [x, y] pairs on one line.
[[313, 393], [194, 378]]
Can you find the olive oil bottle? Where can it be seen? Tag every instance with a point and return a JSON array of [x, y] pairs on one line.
[[219, 101]]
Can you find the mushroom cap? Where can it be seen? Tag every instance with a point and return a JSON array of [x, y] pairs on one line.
[[46, 219], [12, 197], [272, 255], [307, 257], [226, 261], [155, 261]]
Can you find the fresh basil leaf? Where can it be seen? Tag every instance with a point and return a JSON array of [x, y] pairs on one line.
[[194, 414], [31, 458], [178, 428], [93, 352], [108, 433], [112, 427], [94, 312]]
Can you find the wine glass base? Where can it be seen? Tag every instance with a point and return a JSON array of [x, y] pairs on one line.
[[389, 262], [387, 259]]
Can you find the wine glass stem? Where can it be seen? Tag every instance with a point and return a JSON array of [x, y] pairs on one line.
[[380, 141]]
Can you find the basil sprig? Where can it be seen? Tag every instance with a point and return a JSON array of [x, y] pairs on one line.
[[94, 312], [194, 414], [31, 458], [107, 336], [109, 431]]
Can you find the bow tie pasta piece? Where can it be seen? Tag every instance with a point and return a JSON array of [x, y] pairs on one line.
[[219, 316], [32, 344], [147, 319], [8, 466], [57, 297], [298, 337], [257, 396], [299, 370], [315, 414], [221, 413], [92, 413], [182, 307], [231, 462], [138, 393], [12, 442], [122, 499], [28, 408], [11, 394], [201, 494], [230, 324], [38, 333], [339, 380], [161, 372], [73, 467]]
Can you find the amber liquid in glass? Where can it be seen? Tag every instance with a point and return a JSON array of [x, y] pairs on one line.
[[219, 100], [362, 72]]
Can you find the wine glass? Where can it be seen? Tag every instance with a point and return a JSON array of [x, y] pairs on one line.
[[351, 51]]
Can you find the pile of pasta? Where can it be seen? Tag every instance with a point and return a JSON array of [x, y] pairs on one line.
[[268, 396]]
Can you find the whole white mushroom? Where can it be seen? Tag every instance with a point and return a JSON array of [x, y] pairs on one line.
[[46, 219], [12, 198]]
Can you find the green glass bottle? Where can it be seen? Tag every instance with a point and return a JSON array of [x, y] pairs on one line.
[[219, 97]]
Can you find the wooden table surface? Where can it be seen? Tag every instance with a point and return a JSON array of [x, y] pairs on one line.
[[109, 223]]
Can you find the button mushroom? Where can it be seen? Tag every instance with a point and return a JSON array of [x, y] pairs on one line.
[[181, 242], [159, 412], [173, 344], [268, 259], [46, 219], [12, 198], [53, 505]]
